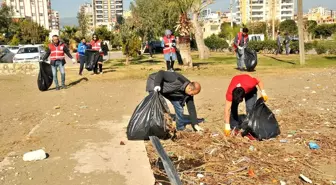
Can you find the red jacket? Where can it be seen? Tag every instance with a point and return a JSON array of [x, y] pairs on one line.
[[57, 52], [167, 41], [240, 37], [96, 45]]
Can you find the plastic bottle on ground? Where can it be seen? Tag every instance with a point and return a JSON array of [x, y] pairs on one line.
[[35, 155]]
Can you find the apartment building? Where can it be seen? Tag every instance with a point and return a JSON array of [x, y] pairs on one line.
[[38, 11], [322, 15], [55, 21], [105, 12], [88, 10], [264, 10]]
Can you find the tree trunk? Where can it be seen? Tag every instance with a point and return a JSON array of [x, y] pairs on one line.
[[184, 48], [203, 50], [127, 60]]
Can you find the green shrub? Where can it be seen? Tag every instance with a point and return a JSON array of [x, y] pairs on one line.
[[321, 49], [270, 45], [332, 51], [309, 46], [256, 45], [214, 43]]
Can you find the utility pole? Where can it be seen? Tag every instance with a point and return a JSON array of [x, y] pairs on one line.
[[301, 39], [273, 19], [231, 14]]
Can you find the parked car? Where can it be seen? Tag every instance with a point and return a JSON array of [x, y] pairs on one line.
[[29, 53], [13, 49], [6, 56]]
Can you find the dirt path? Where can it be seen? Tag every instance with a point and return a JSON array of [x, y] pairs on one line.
[[83, 136]]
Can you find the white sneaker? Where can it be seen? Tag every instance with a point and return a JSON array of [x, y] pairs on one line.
[[198, 128]]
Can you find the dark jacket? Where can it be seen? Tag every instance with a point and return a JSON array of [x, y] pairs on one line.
[[65, 49], [173, 87]]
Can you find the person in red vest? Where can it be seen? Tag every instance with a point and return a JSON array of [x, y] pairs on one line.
[[56, 51], [241, 87], [169, 50], [96, 44], [239, 45]]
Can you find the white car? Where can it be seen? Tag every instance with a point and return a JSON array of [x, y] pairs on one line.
[[13, 49], [29, 54]]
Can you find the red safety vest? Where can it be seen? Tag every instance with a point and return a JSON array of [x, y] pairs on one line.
[[56, 52], [96, 45], [166, 42], [240, 36]]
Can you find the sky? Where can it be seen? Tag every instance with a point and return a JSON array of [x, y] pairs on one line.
[[69, 8]]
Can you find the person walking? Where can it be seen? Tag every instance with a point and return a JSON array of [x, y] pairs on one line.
[[81, 52], [241, 87], [287, 43], [56, 51], [96, 44], [169, 50], [179, 91], [239, 45], [279, 43]]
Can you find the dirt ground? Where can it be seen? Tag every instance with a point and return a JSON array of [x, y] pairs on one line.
[[75, 125]]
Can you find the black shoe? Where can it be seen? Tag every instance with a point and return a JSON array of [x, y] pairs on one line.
[[57, 88], [80, 74], [64, 87]]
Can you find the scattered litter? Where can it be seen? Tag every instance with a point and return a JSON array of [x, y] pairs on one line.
[[214, 134], [58, 113], [313, 145], [289, 135], [277, 111], [282, 183], [243, 159], [17, 173], [306, 179], [122, 143], [75, 114], [313, 92], [307, 87], [213, 151], [333, 182], [251, 173], [199, 175], [251, 148], [83, 107], [283, 141], [30, 178], [304, 99], [57, 107], [35, 155], [2, 178]]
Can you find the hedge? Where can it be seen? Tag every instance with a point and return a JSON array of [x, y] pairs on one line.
[[215, 43]]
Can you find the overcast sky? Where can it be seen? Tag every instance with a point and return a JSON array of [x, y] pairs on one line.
[[68, 8]]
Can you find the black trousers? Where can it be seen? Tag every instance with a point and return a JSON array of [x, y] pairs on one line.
[[250, 99], [82, 62], [100, 59]]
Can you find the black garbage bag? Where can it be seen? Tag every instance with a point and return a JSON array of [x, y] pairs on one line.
[[45, 76], [261, 122], [91, 59], [148, 119], [251, 59]]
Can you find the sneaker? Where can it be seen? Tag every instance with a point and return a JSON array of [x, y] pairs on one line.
[[64, 87], [58, 88], [80, 74], [171, 70], [198, 128], [101, 72]]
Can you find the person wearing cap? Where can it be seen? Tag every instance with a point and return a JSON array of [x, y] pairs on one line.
[[241, 87], [169, 50], [56, 51], [96, 44]]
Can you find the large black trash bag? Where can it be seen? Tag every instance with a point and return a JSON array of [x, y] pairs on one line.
[[261, 122], [91, 59], [45, 77], [251, 59], [148, 119]]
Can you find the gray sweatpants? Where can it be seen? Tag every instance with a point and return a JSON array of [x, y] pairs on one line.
[[240, 58]]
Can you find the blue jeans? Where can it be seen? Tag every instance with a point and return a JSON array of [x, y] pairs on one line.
[[82, 62], [180, 120], [250, 99], [58, 64]]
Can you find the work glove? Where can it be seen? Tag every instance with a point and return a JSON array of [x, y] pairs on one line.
[[198, 128], [264, 95], [73, 60], [227, 129], [157, 88], [239, 47], [100, 50], [170, 45]]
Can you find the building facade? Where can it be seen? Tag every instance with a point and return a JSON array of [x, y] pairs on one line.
[[322, 15], [38, 11], [87, 8], [55, 21], [106, 12], [264, 10]]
